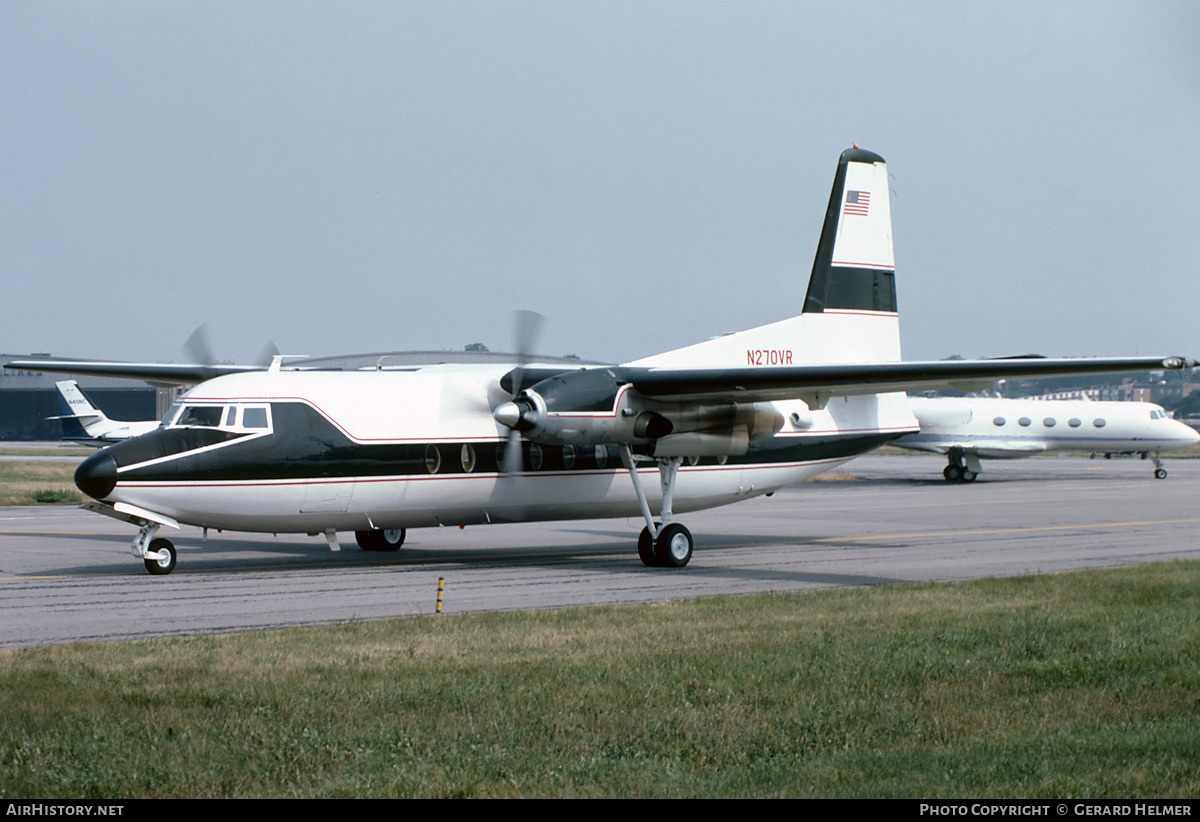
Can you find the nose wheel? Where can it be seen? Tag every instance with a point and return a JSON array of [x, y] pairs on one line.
[[164, 561]]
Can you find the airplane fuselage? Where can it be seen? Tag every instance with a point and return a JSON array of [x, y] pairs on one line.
[[310, 452], [994, 428]]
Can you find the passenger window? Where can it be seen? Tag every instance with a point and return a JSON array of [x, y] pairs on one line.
[[1099, 422], [1074, 422], [1024, 422], [999, 421], [1049, 422]]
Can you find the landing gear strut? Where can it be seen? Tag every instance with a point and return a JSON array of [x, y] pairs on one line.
[[665, 545], [1159, 471]]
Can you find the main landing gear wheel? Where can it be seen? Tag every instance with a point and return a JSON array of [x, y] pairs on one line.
[[672, 549], [646, 548], [387, 539], [165, 565], [959, 469], [1160, 473]]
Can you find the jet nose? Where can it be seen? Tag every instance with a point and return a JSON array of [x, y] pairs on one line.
[[96, 476]]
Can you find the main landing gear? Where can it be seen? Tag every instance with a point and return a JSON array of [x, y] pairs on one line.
[[387, 539], [667, 544], [962, 467]]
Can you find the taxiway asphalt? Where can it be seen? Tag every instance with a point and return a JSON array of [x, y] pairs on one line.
[[67, 575]]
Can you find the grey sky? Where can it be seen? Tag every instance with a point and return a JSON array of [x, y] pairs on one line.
[[345, 177]]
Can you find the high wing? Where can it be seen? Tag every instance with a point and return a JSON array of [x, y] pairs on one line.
[[160, 374], [781, 383]]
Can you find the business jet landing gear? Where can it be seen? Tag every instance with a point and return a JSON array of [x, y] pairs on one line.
[[158, 554], [962, 467], [387, 539], [668, 545]]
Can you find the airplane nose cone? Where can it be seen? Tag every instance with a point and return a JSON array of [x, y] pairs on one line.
[[96, 476], [507, 414]]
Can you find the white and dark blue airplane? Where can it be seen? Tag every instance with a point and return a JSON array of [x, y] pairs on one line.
[[83, 421], [967, 429], [379, 452]]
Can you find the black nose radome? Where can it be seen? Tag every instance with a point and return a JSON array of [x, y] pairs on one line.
[[96, 476]]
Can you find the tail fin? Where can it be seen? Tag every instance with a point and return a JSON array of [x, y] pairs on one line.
[[849, 312], [80, 417], [855, 268]]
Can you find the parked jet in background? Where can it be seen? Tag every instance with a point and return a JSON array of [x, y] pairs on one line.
[[82, 420], [967, 429]]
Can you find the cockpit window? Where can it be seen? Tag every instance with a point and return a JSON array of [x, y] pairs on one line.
[[206, 416], [232, 417], [170, 416], [255, 417]]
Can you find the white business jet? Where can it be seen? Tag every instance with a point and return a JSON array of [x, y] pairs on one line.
[[83, 420], [379, 452], [967, 429]]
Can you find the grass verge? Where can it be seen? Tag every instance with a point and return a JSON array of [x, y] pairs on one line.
[[1082, 684], [28, 482]]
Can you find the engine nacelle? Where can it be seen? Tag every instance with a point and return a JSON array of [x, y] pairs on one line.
[[594, 407]]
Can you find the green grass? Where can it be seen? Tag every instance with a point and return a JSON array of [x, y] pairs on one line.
[[1084, 684], [28, 482]]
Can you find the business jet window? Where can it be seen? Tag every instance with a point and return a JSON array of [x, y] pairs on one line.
[[1049, 422], [1099, 422], [999, 421], [1024, 422], [1074, 422]]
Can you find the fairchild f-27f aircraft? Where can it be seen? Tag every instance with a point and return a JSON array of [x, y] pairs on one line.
[[379, 452], [966, 429], [83, 420]]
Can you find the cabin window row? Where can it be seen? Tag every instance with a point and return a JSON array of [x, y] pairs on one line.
[[1050, 422], [468, 458]]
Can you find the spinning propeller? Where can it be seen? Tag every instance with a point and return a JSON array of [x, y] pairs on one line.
[[200, 350], [527, 325]]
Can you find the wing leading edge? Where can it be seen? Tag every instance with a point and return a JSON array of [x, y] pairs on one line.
[[779, 383]]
